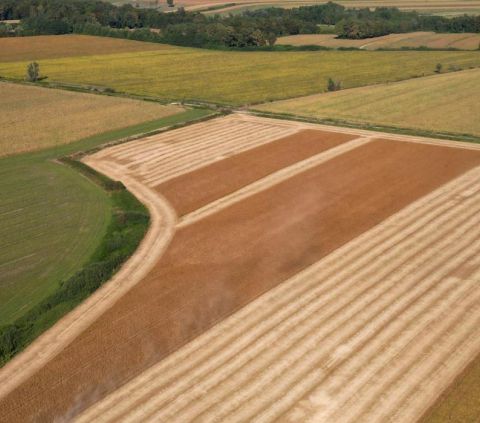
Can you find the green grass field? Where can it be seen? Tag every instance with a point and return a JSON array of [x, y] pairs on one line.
[[440, 103], [240, 77], [52, 218], [52, 221]]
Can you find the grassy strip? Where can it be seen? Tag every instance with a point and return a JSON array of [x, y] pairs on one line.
[[460, 403], [369, 127], [127, 227]]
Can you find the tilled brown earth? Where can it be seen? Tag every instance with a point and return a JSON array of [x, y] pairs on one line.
[[193, 190], [220, 263]]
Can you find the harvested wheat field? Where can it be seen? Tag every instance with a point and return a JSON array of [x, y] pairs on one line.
[[33, 118], [463, 41], [293, 272]]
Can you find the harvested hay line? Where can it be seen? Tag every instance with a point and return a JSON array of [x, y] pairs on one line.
[[367, 261], [34, 118]]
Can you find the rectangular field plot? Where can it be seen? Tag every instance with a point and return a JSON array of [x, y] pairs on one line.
[[305, 273], [56, 46]]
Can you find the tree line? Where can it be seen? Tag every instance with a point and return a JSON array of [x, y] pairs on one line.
[[250, 29]]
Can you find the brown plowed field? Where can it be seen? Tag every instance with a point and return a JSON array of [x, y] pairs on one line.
[[193, 190], [271, 241], [55, 46]]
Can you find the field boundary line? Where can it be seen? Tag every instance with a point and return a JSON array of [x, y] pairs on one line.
[[161, 231], [449, 140], [271, 180]]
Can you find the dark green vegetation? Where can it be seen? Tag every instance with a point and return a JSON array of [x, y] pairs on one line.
[[252, 28], [128, 224], [62, 234]]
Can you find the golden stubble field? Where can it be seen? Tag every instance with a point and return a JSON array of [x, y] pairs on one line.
[[33, 118]]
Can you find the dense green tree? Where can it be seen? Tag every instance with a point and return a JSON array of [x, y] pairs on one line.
[[33, 72]]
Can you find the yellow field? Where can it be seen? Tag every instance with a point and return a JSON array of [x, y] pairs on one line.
[[54, 46], [240, 77], [33, 118], [441, 103], [414, 39]]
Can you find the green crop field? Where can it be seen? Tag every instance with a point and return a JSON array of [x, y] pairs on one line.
[[240, 77], [440, 103], [52, 221], [53, 218]]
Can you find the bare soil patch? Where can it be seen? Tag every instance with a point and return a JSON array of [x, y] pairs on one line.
[[191, 191]]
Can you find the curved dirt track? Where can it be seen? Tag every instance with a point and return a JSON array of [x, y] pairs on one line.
[[48, 345], [353, 255]]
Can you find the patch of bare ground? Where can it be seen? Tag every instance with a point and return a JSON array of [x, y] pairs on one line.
[[193, 190]]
